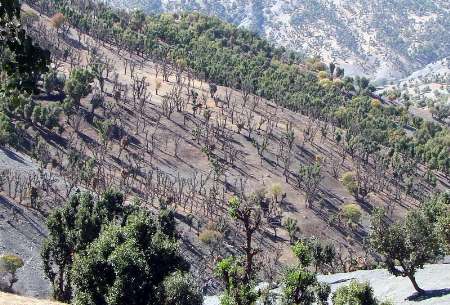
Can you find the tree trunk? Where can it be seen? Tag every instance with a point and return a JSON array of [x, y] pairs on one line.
[[413, 281]]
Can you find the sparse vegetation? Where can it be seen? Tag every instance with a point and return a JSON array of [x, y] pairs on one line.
[[197, 121]]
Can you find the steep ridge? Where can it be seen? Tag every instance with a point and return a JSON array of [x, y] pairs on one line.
[[383, 39]]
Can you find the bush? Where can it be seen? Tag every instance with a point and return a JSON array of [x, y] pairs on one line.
[[355, 294], [79, 84], [54, 81], [210, 237], [276, 191], [7, 134], [9, 264], [349, 181], [291, 227], [351, 212], [322, 75], [181, 289]]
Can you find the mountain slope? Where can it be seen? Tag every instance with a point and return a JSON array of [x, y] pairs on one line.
[[381, 38]]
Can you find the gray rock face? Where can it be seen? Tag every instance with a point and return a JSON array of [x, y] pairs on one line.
[[435, 279]]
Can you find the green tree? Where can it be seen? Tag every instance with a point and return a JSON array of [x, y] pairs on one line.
[[71, 229], [78, 85], [139, 265], [27, 61], [7, 134], [349, 181], [180, 288], [291, 227], [54, 81], [238, 289], [437, 210], [299, 285], [406, 246], [309, 178]]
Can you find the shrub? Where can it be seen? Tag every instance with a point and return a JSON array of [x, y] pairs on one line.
[[79, 84], [349, 181], [211, 238], [181, 289], [290, 225], [351, 212], [7, 134], [302, 250], [276, 191], [54, 81], [355, 293], [9, 264], [322, 75], [375, 103]]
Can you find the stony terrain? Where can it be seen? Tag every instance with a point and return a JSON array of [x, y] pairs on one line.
[[22, 231], [435, 279], [384, 39]]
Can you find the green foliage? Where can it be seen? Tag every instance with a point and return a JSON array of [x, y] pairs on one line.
[[9, 264], [409, 244], [291, 227], [7, 134], [351, 212], [78, 85], [349, 181], [47, 116], [322, 254], [276, 190], [299, 286], [309, 178], [302, 250], [355, 293], [437, 210], [181, 289], [26, 60], [104, 129], [238, 291], [137, 263], [166, 222], [54, 81], [323, 290], [71, 229]]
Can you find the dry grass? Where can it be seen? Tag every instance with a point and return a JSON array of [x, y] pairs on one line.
[[12, 299]]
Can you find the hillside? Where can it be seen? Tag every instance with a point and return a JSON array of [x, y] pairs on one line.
[[188, 112], [382, 38], [12, 299]]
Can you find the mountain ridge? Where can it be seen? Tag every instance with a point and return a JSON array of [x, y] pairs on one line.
[[380, 39]]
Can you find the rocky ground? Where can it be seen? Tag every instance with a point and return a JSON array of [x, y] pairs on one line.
[[435, 279], [22, 231]]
